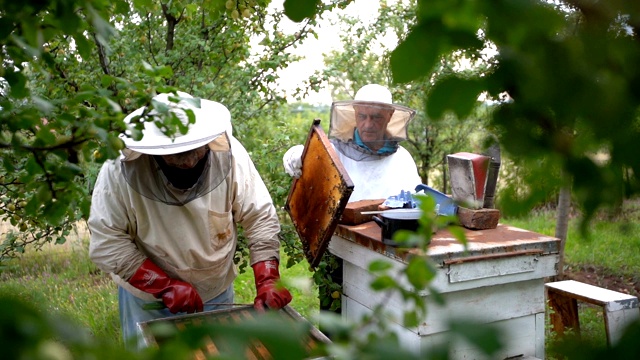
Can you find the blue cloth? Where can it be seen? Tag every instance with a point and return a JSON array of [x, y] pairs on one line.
[[388, 148], [131, 313]]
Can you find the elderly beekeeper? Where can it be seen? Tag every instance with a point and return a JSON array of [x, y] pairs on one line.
[[365, 133], [164, 214]]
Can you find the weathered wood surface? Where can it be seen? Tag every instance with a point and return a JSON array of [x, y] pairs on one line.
[[619, 309], [523, 336], [479, 219], [444, 246], [498, 279], [352, 214]]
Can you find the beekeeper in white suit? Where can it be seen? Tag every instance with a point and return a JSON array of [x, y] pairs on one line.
[[164, 216], [365, 133]]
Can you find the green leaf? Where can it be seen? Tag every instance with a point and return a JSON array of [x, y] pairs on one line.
[[298, 10], [54, 211], [411, 319], [43, 105], [379, 265], [383, 283], [46, 135], [68, 18], [415, 57], [84, 46], [17, 83], [419, 272], [104, 30], [114, 105], [32, 167], [455, 94], [484, 336], [459, 234], [6, 27], [436, 296]]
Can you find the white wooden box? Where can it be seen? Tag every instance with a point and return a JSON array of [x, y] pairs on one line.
[[500, 281]]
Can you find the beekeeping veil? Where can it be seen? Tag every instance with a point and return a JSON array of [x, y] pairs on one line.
[[207, 123], [370, 100]]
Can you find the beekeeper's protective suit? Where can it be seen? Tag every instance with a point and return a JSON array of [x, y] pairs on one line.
[[163, 215], [365, 133]]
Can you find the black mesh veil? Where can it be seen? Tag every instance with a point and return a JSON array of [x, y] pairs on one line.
[[144, 175]]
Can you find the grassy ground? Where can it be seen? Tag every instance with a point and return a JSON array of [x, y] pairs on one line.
[[62, 279], [612, 244], [611, 247]]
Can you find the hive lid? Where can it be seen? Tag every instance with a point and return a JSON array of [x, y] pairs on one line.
[[319, 196]]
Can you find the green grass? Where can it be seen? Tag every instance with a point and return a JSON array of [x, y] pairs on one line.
[[610, 244], [62, 279]]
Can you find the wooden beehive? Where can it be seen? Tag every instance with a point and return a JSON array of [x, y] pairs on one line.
[[158, 332]]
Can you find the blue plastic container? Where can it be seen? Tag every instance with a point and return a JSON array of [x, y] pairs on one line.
[[444, 204]]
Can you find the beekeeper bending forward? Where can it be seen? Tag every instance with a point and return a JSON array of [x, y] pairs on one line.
[[163, 215], [365, 133]]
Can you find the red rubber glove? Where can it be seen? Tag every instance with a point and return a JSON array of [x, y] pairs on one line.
[[177, 295], [269, 294]]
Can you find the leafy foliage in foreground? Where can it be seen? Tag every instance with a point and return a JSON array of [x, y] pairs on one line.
[[563, 82], [73, 69]]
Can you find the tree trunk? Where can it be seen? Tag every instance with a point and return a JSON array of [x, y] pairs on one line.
[[445, 180], [562, 225]]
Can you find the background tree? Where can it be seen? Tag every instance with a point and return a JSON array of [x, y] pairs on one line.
[[572, 86], [74, 69], [572, 94], [365, 58]]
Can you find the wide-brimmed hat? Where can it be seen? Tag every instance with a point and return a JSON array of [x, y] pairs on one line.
[[343, 116], [211, 120]]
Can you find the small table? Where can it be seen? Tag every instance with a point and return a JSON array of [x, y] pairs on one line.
[[499, 281]]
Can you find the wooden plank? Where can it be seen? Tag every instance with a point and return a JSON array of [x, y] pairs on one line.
[[619, 310], [478, 219], [361, 257], [445, 247], [485, 304], [493, 266], [540, 334], [612, 300], [616, 323], [517, 334], [352, 214], [564, 312]]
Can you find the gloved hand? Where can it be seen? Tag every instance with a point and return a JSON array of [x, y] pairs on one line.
[[269, 294], [292, 161], [177, 295]]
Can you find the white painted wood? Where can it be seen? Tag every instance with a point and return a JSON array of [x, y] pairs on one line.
[[613, 300], [484, 304], [617, 322], [506, 290], [361, 257], [619, 309], [518, 336], [540, 333], [492, 268]]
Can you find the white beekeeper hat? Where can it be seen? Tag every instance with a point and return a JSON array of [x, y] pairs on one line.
[[343, 117], [211, 120]]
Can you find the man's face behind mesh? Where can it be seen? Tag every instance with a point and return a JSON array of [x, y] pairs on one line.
[[371, 121]]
